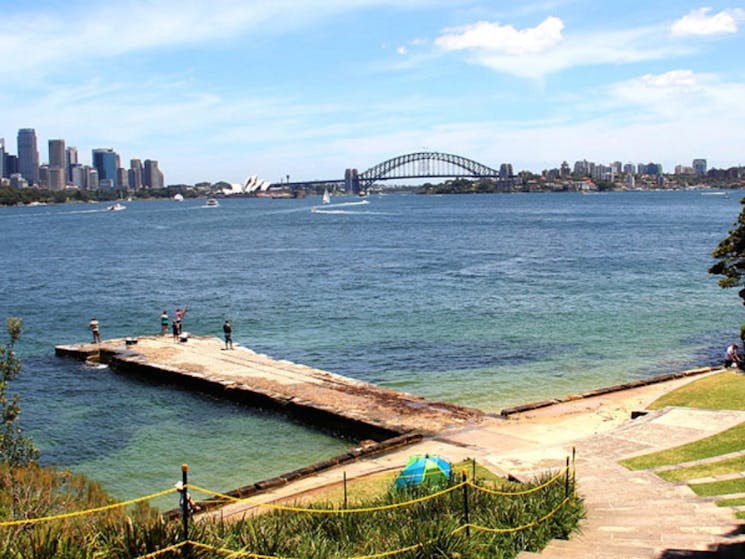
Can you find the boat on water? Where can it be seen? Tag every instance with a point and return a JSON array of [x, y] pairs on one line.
[[212, 203], [116, 207], [716, 193], [326, 197], [178, 197]]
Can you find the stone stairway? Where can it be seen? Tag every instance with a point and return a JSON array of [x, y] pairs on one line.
[[636, 514]]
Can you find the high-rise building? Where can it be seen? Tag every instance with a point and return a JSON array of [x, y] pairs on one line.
[[152, 177], [2, 157], [135, 174], [351, 181], [629, 169], [78, 175], [56, 175], [91, 178], [106, 162], [71, 158], [28, 155], [699, 167], [122, 178]]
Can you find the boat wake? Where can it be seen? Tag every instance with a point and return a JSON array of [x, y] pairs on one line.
[[332, 208]]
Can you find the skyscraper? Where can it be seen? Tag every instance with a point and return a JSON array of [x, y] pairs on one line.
[[699, 167], [56, 175], [71, 158], [135, 174], [28, 155], [2, 157], [106, 162], [152, 177]]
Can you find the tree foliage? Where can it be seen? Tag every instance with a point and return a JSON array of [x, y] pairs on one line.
[[15, 448], [730, 255]]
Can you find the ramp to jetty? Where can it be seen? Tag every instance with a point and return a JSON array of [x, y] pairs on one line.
[[314, 396]]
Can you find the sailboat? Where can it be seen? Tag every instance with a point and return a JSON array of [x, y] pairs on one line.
[[326, 196]]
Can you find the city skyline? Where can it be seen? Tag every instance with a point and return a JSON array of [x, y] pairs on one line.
[[232, 89]]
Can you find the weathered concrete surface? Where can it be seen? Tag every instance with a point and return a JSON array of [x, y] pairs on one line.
[[315, 395]]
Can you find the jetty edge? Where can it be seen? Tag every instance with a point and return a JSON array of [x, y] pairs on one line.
[[343, 405]]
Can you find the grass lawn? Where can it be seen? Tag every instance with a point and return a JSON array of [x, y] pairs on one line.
[[719, 487], [736, 502], [731, 440], [729, 466], [724, 391], [361, 490]]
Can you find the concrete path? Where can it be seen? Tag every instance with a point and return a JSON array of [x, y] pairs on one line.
[[630, 515], [636, 514]]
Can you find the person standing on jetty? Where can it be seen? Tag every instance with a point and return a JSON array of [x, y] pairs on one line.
[[228, 331], [93, 325], [164, 323]]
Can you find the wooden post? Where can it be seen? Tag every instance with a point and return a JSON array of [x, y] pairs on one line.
[[345, 490], [473, 470], [185, 506], [574, 471], [566, 480], [466, 516]]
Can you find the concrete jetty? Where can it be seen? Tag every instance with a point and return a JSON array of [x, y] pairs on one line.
[[322, 398]]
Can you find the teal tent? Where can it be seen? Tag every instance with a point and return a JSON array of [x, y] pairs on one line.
[[431, 471]]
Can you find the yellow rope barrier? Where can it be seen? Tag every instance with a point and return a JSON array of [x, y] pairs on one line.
[[327, 511], [84, 512], [232, 552], [519, 493], [519, 528], [162, 551]]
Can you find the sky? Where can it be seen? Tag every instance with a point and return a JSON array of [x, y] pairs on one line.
[[225, 89]]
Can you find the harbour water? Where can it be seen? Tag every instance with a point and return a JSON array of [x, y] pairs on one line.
[[483, 300]]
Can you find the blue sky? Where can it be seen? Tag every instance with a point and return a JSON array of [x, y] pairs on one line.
[[224, 89]]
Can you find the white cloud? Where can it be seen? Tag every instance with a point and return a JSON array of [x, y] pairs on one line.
[[545, 49], [503, 38], [699, 22]]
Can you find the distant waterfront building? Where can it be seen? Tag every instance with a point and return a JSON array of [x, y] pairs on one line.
[[77, 175], [43, 175], [106, 162], [2, 158], [71, 158], [11, 165], [56, 178], [565, 171], [684, 170], [122, 178], [91, 178], [28, 155], [152, 177], [17, 181], [135, 174], [630, 180], [699, 167], [617, 166], [629, 169], [351, 181], [56, 174]]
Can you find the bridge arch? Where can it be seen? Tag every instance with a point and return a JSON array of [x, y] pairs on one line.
[[426, 164]]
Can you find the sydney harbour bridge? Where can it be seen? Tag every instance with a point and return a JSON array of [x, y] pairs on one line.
[[426, 164]]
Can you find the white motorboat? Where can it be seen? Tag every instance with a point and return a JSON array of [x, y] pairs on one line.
[[212, 203], [116, 207]]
